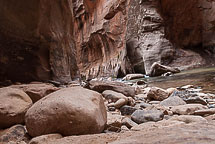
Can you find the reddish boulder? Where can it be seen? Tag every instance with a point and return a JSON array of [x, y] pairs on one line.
[[13, 105], [69, 111]]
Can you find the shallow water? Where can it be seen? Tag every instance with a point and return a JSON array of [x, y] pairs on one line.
[[202, 77]]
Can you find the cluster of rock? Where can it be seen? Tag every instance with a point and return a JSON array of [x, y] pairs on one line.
[[68, 111], [154, 107], [38, 112]]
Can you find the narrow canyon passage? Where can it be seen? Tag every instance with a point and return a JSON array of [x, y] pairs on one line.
[[62, 40], [107, 71]]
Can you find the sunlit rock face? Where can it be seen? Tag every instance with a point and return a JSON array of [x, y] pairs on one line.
[[99, 33], [54, 39], [62, 40]]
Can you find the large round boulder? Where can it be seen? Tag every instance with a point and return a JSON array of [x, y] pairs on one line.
[[13, 105], [69, 111]]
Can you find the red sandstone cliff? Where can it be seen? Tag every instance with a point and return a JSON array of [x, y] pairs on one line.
[[61, 40]]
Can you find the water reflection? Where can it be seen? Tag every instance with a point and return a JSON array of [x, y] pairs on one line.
[[203, 77]]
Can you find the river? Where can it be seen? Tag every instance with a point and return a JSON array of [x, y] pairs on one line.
[[204, 78]]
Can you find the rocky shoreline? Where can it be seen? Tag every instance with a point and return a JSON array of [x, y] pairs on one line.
[[43, 113]]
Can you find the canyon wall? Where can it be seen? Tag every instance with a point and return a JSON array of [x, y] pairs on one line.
[[36, 41], [99, 33], [64, 39], [146, 42], [189, 25]]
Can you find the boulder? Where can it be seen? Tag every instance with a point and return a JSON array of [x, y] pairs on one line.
[[127, 110], [101, 86], [173, 101], [142, 116], [13, 105], [155, 93], [69, 111], [45, 138], [158, 69], [133, 76], [36, 91], [187, 109], [15, 134]]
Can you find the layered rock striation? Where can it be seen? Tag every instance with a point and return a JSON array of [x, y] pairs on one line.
[[63, 40]]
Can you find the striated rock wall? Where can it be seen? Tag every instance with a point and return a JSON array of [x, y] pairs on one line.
[[175, 33], [146, 42], [62, 40], [54, 39], [99, 30], [189, 27], [36, 40]]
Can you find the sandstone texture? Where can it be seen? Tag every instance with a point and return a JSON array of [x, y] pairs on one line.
[[64, 115], [36, 40], [36, 91], [187, 109], [155, 93], [101, 86], [45, 138], [70, 111], [15, 134], [93, 43], [13, 105], [194, 133], [158, 69], [63, 40], [142, 116], [173, 101]]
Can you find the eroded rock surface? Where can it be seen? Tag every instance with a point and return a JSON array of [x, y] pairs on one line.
[[63, 40], [15, 134], [36, 41], [101, 86], [36, 91], [70, 111], [14, 103]]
